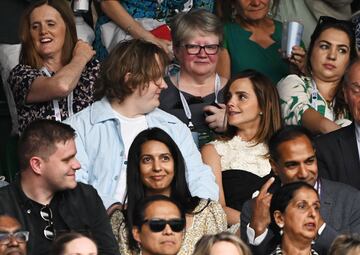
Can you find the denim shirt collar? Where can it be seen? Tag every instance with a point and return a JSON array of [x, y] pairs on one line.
[[101, 111]]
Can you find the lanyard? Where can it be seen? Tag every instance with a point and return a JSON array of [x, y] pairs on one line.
[[70, 99], [185, 104], [314, 95]]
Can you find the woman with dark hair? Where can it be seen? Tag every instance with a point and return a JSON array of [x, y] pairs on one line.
[[74, 243], [158, 225], [295, 218], [57, 72], [316, 100], [239, 158], [156, 166], [248, 23]]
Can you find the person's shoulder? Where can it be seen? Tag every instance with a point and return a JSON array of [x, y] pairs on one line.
[[334, 135], [290, 79], [84, 117], [207, 206], [4, 188], [23, 70], [339, 188], [83, 187], [80, 116], [162, 116]]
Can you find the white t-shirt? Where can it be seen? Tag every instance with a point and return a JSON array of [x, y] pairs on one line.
[[129, 129]]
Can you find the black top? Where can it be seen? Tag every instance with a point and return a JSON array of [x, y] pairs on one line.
[[79, 209], [170, 102]]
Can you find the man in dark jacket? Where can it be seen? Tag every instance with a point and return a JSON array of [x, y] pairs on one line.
[[46, 199], [292, 157]]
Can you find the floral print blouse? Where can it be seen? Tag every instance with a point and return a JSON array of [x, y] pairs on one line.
[[296, 96], [20, 80]]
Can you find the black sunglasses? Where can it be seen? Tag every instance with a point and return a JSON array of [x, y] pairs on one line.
[[157, 225], [327, 19], [46, 215]]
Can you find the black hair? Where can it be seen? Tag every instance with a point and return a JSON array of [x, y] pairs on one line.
[[138, 214], [280, 201], [324, 23], [136, 190], [285, 134]]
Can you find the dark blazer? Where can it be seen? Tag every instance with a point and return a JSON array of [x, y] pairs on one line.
[[81, 209], [340, 209], [338, 156]]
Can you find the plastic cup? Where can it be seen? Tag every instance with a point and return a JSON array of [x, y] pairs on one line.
[[292, 32]]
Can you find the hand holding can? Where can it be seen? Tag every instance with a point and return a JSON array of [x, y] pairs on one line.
[[292, 32]]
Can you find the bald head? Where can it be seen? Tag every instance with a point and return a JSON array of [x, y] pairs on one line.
[[12, 238]]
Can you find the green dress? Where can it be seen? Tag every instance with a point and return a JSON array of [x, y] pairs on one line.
[[246, 54]]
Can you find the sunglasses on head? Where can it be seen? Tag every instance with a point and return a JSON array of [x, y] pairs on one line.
[[327, 19], [158, 225]]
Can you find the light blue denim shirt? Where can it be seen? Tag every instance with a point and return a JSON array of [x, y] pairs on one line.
[[100, 150]]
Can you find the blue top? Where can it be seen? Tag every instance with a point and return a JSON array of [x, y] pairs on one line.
[[100, 150]]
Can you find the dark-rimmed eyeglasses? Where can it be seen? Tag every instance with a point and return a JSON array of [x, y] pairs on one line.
[[194, 49], [158, 225], [46, 215], [19, 236]]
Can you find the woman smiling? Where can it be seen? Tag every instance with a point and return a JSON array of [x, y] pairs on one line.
[[57, 72], [156, 167]]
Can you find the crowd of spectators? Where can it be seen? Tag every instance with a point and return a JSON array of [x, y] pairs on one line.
[[163, 127]]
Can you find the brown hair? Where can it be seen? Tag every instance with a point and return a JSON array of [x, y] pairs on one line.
[[130, 64], [28, 54], [39, 139], [344, 244], [268, 100]]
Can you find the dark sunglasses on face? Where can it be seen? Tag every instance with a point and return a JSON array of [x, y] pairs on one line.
[[18, 236], [46, 215], [194, 49], [158, 225]]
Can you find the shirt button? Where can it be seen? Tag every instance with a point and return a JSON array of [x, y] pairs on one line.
[[116, 177], [28, 211]]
